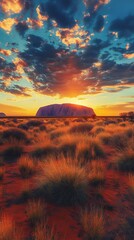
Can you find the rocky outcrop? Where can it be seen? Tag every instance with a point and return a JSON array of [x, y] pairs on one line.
[[65, 110]]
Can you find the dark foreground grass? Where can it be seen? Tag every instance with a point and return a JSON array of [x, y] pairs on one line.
[[63, 183]]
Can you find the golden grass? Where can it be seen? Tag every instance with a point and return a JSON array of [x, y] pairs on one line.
[[125, 160], [8, 229], [36, 211], [63, 182], [26, 166], [92, 222], [43, 232], [96, 172]]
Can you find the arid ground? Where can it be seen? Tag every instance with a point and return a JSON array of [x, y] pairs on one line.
[[66, 179]]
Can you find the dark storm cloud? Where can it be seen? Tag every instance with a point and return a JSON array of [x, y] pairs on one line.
[[113, 74], [62, 11], [21, 28], [99, 25], [124, 27], [17, 90]]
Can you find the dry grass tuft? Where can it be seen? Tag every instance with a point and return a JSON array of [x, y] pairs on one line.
[[44, 232], [92, 222], [36, 211], [27, 166], [125, 160], [8, 229], [63, 183], [96, 173]]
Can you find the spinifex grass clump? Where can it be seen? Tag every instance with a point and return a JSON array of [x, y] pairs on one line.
[[63, 183], [90, 150], [14, 134], [92, 222], [125, 161], [36, 211], [27, 166], [96, 172], [44, 152], [68, 149], [81, 128], [12, 153], [44, 232]]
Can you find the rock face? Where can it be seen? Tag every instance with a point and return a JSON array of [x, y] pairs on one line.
[[65, 110], [2, 114]]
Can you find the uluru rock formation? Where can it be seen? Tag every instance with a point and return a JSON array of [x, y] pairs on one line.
[[65, 110], [2, 114]]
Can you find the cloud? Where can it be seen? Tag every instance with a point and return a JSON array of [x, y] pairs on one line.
[[5, 52], [123, 27], [11, 6], [21, 28], [76, 35], [20, 65], [128, 55], [62, 11], [99, 25], [7, 24], [95, 4]]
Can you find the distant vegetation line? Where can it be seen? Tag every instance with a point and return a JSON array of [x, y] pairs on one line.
[[60, 117]]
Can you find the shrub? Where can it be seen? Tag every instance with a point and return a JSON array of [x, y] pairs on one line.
[[92, 222], [63, 183], [12, 153], [23, 126], [125, 161], [8, 230], [44, 152], [26, 167], [44, 232], [34, 123], [36, 211], [81, 128], [16, 134]]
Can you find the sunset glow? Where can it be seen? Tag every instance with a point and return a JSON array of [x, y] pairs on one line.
[[66, 51]]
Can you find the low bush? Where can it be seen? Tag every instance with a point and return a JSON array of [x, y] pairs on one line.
[[14, 134], [12, 153]]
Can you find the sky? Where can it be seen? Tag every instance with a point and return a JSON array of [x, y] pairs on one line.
[[66, 51]]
